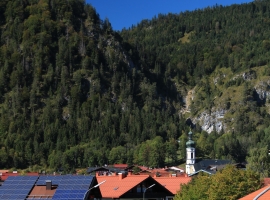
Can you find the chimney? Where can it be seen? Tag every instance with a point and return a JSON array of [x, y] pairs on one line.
[[129, 173], [48, 184], [121, 176], [97, 174]]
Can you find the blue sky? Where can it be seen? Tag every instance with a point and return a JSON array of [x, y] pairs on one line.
[[124, 13]]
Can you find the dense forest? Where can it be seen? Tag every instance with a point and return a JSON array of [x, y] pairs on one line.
[[75, 93]]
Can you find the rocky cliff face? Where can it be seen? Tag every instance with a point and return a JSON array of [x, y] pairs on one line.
[[210, 121], [262, 91], [213, 119]]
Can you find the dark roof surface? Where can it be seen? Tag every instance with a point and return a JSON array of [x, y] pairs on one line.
[[96, 169], [210, 172], [109, 169], [205, 164]]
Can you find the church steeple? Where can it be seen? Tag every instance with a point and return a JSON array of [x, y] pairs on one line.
[[190, 160]]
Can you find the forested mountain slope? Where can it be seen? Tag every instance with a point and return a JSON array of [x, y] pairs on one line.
[[208, 50], [75, 93], [218, 58], [70, 94]]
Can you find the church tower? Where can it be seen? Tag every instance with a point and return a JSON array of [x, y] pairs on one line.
[[190, 144]]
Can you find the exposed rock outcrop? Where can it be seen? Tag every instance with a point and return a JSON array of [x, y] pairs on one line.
[[262, 91], [229, 101], [210, 121]]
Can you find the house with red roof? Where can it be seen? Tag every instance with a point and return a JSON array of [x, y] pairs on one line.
[[124, 186], [113, 185], [261, 194], [164, 172], [122, 168]]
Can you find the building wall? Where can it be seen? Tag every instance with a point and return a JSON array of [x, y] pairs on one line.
[[190, 160]]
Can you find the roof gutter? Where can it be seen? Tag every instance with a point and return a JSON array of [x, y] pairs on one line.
[[259, 195]]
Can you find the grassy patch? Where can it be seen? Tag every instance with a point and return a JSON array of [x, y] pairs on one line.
[[186, 38]]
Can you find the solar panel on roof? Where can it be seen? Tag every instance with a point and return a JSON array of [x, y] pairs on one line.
[[69, 187], [17, 187]]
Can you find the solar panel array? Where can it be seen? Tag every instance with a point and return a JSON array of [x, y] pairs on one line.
[[17, 187], [39, 197], [69, 187]]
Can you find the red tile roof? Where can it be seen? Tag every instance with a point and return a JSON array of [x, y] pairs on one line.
[[160, 172], [39, 191], [6, 175], [115, 187], [122, 166], [4, 171], [264, 196], [172, 183], [266, 181]]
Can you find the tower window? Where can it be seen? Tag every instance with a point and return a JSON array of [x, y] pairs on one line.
[[191, 155]]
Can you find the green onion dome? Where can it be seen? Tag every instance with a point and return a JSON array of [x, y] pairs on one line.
[[190, 142]]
